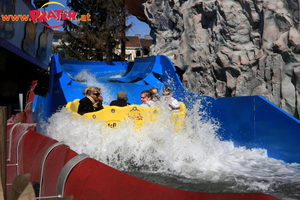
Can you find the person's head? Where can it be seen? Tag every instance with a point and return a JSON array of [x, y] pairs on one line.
[[154, 90], [146, 96], [92, 91], [122, 95], [167, 91]]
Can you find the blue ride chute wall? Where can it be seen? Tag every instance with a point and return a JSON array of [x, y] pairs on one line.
[[252, 121], [255, 122]]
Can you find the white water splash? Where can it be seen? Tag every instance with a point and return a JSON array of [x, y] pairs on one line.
[[195, 152], [89, 79]]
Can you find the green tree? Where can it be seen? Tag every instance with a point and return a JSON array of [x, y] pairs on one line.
[[54, 50], [98, 38]]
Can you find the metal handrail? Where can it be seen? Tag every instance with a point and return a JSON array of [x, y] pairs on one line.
[[66, 171]]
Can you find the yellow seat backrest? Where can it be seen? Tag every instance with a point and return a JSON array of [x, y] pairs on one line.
[[73, 105]]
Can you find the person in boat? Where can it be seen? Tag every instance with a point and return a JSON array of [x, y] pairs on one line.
[[92, 102], [168, 100], [121, 100], [146, 98], [155, 95]]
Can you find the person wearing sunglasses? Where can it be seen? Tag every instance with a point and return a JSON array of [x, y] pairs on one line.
[[168, 100], [146, 98], [92, 101]]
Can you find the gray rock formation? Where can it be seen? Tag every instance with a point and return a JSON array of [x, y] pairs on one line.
[[232, 48]]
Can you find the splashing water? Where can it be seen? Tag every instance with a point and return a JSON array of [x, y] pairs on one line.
[[88, 79], [194, 155], [193, 158]]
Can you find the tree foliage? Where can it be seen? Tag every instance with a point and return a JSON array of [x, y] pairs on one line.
[[98, 38]]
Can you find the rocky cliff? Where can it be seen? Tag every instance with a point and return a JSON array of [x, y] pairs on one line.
[[232, 48]]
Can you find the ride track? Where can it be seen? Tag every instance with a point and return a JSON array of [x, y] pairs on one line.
[[253, 122]]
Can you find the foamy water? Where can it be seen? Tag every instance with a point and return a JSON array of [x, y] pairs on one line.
[[194, 153], [193, 158]]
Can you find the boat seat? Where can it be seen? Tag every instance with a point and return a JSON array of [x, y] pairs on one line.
[[74, 105]]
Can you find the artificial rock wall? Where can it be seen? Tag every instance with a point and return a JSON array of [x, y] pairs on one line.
[[232, 48]]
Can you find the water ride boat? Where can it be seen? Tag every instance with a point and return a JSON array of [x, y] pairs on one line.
[[140, 116]]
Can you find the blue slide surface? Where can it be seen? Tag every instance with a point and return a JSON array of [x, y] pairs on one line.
[[252, 121]]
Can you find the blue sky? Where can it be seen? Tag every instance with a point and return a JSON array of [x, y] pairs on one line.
[[138, 27]]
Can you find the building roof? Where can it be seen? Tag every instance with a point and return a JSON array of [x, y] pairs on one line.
[[133, 41], [146, 42]]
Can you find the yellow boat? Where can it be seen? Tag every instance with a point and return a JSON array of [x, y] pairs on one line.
[[113, 115]]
